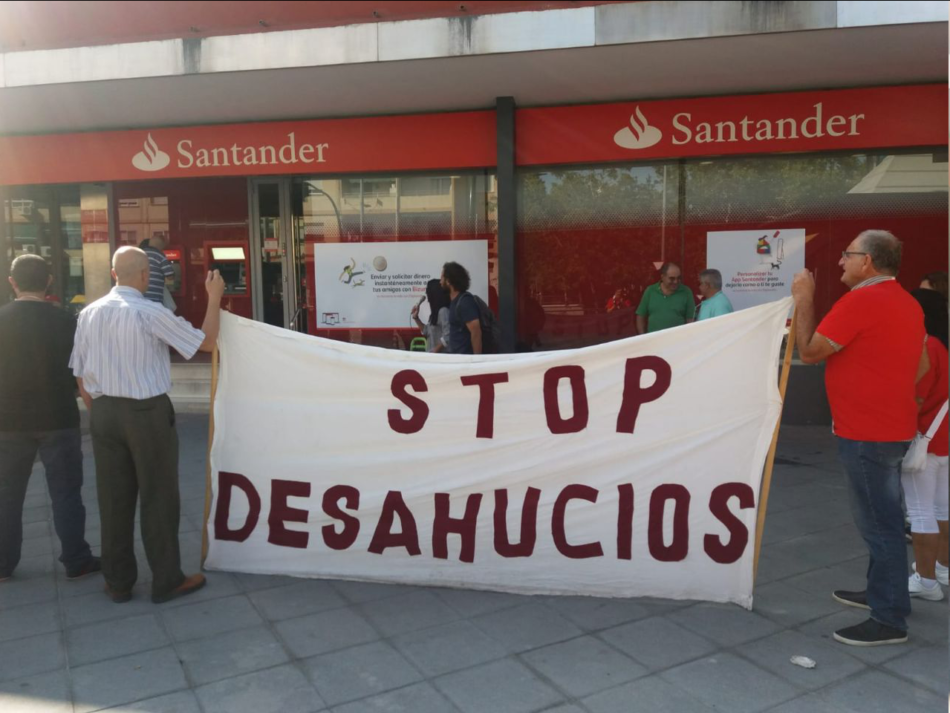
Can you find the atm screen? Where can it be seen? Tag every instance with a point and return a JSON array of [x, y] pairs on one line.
[[234, 275], [175, 288]]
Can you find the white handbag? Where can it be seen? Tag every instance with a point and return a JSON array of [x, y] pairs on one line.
[[916, 457]]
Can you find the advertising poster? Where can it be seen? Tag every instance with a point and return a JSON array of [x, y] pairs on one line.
[[757, 266], [375, 285]]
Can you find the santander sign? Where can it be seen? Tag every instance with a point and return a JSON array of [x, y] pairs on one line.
[[685, 130], [189, 155]]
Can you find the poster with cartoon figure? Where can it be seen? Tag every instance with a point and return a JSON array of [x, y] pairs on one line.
[[757, 266]]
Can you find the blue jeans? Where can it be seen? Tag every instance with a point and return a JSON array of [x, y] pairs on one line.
[[61, 454], [874, 473]]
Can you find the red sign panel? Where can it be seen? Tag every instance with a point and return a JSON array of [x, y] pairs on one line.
[[883, 117], [765, 123], [428, 141]]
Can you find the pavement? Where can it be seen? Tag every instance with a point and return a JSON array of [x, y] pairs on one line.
[[263, 644]]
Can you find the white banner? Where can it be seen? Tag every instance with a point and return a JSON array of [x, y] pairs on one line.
[[625, 469], [375, 285], [757, 266]]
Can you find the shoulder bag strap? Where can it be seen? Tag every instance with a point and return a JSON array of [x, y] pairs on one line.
[[938, 420]]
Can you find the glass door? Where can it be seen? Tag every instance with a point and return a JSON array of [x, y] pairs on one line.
[[274, 292]]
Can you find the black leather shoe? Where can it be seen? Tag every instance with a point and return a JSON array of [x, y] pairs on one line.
[[870, 633], [852, 599]]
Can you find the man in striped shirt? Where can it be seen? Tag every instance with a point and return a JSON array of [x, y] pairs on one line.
[[160, 271], [121, 362]]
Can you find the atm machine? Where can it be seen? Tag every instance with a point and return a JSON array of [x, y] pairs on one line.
[[174, 255], [232, 260]]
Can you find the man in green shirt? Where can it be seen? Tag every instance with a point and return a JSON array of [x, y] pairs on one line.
[[715, 303], [668, 303]]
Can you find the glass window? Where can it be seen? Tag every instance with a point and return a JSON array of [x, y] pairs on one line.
[[397, 209]]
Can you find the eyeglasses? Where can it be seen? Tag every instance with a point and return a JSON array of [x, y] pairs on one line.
[[846, 253]]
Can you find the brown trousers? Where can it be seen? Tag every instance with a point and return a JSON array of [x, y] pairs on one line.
[[136, 449]]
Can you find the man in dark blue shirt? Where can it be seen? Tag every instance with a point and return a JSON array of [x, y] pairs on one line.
[[160, 271], [465, 329]]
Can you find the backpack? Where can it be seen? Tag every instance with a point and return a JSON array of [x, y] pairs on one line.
[[491, 331]]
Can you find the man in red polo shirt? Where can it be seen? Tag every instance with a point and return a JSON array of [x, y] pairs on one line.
[[873, 342]]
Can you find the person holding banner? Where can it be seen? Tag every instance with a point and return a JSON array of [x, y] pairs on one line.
[[121, 363], [871, 341], [436, 330], [668, 303], [925, 490]]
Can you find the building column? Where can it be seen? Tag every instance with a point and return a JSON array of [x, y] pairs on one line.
[[507, 221]]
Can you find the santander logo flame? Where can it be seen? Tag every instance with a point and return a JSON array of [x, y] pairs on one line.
[[639, 135], [151, 158]]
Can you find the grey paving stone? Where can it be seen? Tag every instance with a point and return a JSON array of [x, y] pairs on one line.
[[808, 704], [359, 672], [127, 679], [361, 592], [225, 655], [725, 681], [297, 599], [526, 627], [38, 546], [258, 582], [32, 567], [28, 620], [36, 529], [825, 628], [505, 686], [471, 602], [46, 693], [324, 632], [95, 642], [407, 612], [850, 575], [648, 694], [277, 690], [789, 606], [926, 667], [878, 692], [418, 698], [657, 643], [18, 591], [583, 666], [564, 708], [594, 613], [96, 606], [774, 653], [447, 648], [93, 584], [725, 624], [194, 621], [37, 514], [180, 702], [22, 658]]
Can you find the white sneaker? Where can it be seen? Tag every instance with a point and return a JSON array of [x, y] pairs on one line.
[[943, 573], [917, 589]]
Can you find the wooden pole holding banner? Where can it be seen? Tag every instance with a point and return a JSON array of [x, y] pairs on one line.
[[214, 388], [770, 459]]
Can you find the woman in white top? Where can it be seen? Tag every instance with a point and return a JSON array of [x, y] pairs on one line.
[[436, 330]]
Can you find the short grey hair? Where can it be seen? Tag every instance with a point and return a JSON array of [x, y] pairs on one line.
[[884, 250], [713, 277]]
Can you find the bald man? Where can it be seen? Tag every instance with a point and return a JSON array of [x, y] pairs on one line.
[[121, 362]]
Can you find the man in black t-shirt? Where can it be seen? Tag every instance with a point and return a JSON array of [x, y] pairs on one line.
[[465, 328], [38, 412]]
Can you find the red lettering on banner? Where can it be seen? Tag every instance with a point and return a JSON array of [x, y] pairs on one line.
[[677, 550], [634, 396], [226, 483], [351, 525], [625, 521], [486, 400], [578, 421], [738, 532], [576, 552], [281, 512], [384, 537], [444, 523], [529, 524], [420, 409]]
